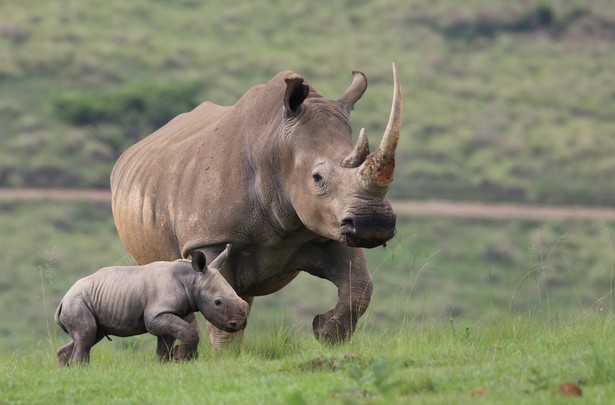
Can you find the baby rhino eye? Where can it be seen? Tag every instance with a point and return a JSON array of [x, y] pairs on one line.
[[317, 177]]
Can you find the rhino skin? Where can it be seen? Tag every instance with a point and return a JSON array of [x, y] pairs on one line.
[[154, 298], [277, 176]]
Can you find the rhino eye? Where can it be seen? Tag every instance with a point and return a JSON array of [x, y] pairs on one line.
[[317, 177], [217, 302]]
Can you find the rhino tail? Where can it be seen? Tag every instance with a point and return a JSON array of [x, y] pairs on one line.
[[57, 318]]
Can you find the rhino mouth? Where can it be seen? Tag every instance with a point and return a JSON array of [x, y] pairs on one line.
[[367, 235], [235, 326]]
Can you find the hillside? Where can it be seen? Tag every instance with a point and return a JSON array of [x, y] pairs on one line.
[[504, 101]]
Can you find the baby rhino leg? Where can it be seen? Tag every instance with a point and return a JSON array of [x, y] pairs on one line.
[[64, 353], [168, 326], [81, 326]]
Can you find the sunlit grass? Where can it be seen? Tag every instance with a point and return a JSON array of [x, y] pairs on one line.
[[516, 359]]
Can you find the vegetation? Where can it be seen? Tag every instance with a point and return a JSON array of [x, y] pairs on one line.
[[118, 118], [517, 360], [504, 101]]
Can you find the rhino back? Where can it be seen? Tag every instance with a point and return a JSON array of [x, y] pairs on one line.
[[192, 183], [124, 297]]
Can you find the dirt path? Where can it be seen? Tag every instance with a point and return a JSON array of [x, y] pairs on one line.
[[54, 194], [402, 207], [501, 210]]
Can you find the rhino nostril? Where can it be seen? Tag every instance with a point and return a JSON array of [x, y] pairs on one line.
[[348, 226], [232, 325]]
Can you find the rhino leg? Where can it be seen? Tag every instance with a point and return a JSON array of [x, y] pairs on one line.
[[64, 353], [219, 338], [83, 329], [81, 352], [164, 349], [169, 326], [347, 269]]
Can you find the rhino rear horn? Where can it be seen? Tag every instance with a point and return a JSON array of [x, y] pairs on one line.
[[360, 152]]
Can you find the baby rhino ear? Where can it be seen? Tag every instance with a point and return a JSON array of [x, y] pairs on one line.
[[199, 263]]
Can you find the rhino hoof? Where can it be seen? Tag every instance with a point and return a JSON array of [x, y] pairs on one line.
[[330, 330], [182, 353]]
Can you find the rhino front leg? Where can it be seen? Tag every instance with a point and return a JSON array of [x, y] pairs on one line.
[[167, 326], [164, 349], [219, 338], [347, 269]]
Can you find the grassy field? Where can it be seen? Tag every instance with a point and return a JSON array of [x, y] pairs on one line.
[[504, 101], [515, 360]]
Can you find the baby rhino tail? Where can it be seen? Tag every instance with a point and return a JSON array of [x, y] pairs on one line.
[[57, 318]]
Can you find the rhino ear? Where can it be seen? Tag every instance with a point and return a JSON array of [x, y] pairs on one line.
[[296, 93], [199, 263]]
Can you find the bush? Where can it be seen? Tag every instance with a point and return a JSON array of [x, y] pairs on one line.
[[134, 111]]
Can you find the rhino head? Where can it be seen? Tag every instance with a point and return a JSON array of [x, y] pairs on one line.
[[215, 297], [336, 189]]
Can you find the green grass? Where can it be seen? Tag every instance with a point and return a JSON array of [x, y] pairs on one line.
[[516, 359], [504, 101]]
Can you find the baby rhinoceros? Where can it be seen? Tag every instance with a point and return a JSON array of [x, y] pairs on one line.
[[154, 298]]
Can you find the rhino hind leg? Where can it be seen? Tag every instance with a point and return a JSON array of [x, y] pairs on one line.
[[81, 325], [83, 343], [219, 338], [168, 326], [64, 353]]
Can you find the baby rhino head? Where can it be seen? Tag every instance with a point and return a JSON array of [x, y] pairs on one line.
[[216, 299]]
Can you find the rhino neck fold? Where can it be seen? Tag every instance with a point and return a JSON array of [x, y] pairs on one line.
[[268, 161], [192, 286]]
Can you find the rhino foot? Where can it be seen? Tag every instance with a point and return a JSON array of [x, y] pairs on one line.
[[332, 329], [184, 352], [65, 353]]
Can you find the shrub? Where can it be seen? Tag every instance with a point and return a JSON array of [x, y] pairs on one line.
[[134, 110]]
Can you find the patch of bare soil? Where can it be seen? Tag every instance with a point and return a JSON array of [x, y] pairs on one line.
[[402, 207]]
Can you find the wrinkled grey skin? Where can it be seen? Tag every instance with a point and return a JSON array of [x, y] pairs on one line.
[[277, 176], [132, 300]]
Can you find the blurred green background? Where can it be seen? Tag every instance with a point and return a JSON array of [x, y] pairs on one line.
[[503, 102]]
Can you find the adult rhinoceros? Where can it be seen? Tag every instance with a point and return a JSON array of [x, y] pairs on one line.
[[275, 175]]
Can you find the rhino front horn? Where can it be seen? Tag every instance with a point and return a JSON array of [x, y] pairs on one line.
[[377, 170]]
